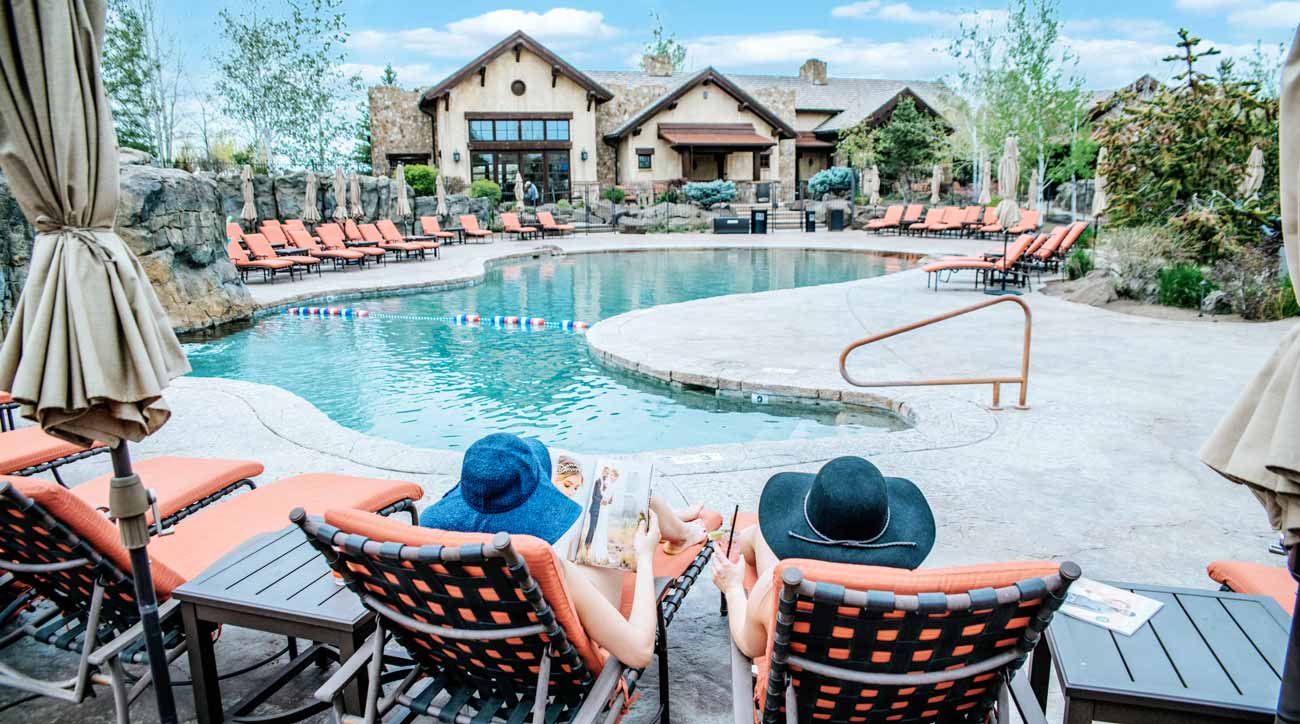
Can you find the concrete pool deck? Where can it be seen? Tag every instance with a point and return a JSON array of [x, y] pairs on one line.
[[1102, 469]]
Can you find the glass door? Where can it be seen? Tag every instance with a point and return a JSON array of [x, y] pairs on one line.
[[535, 171], [507, 168], [557, 176]]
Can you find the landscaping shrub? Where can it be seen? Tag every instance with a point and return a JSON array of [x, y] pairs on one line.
[[421, 179], [708, 193], [1287, 304], [454, 184], [563, 204], [486, 188], [1183, 285], [614, 194], [1136, 255], [1078, 264], [1253, 285], [671, 196], [835, 178]]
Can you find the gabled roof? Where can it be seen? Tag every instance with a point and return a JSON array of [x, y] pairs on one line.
[[516, 41], [708, 75]]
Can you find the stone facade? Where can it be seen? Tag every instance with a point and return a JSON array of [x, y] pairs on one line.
[[627, 101], [397, 126]]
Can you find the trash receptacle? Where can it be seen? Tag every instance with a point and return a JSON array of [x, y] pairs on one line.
[[809, 220], [758, 221], [835, 220]]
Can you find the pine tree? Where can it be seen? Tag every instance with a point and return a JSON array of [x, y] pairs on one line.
[[909, 145], [125, 69], [389, 77]]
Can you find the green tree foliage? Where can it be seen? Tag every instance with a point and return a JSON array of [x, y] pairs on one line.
[[422, 179], [835, 178], [389, 77], [708, 193], [1179, 157], [909, 145], [665, 43], [125, 67], [486, 188], [857, 145], [361, 144]]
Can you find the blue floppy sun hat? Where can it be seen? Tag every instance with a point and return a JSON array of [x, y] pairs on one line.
[[505, 485]]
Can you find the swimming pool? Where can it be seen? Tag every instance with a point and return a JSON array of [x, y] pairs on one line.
[[439, 385]]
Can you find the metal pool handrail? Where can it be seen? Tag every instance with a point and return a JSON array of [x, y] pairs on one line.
[[997, 382]]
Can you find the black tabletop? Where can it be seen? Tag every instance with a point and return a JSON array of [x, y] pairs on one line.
[[1203, 651], [277, 574]]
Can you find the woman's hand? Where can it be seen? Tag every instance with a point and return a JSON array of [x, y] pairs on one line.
[[726, 574], [647, 537]]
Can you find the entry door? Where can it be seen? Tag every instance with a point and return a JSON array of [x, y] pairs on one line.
[[507, 167], [535, 171]]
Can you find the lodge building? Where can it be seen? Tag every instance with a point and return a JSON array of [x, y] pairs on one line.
[[520, 108]]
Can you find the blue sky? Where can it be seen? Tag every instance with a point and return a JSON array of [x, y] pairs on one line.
[[1116, 40]]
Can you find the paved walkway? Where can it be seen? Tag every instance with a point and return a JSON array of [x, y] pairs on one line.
[[1101, 470]]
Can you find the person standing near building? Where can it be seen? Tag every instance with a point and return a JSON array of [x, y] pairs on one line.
[[530, 193]]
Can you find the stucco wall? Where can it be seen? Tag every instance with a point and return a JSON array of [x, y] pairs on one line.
[[495, 96], [396, 126], [808, 120]]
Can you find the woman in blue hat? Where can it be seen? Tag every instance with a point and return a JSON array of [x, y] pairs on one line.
[[505, 485], [847, 513]]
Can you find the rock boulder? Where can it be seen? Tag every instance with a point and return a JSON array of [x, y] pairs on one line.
[[1096, 289], [15, 253]]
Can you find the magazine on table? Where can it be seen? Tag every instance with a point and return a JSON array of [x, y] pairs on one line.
[[1109, 607], [615, 498]]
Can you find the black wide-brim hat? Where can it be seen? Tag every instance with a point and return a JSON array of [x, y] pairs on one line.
[[847, 513]]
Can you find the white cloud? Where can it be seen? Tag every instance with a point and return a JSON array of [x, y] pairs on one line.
[[561, 28], [855, 10], [1267, 17], [915, 58], [1205, 5]]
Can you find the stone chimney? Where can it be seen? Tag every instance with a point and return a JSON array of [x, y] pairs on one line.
[[660, 66], [813, 70]]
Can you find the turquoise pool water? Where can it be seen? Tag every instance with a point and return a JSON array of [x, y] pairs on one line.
[[438, 385]]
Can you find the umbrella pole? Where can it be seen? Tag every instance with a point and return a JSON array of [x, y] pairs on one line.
[[128, 502], [1288, 700]]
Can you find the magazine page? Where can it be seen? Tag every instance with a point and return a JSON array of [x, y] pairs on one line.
[[1120, 611], [617, 500], [573, 477]]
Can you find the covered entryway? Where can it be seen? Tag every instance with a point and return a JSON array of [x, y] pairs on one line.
[[707, 150], [811, 155]]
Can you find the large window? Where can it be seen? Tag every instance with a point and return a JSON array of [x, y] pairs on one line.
[[481, 166], [532, 130], [519, 129], [557, 130], [480, 130], [557, 175], [507, 130]]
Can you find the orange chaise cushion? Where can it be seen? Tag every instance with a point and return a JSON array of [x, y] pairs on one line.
[[91, 526], [210, 534], [177, 482], [666, 566], [29, 446], [543, 565], [1257, 579]]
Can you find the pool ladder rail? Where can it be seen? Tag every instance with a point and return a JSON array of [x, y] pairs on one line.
[[996, 382]]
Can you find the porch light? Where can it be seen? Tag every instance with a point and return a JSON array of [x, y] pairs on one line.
[[455, 156], [583, 155]]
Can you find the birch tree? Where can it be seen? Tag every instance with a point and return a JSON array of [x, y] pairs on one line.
[[142, 75]]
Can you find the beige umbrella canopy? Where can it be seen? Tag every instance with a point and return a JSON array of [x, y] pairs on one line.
[[1254, 178], [401, 207], [310, 211], [249, 212], [1099, 186], [936, 178], [1009, 170], [519, 190], [873, 185], [1256, 442], [340, 197], [1008, 213], [986, 182], [354, 191], [440, 187]]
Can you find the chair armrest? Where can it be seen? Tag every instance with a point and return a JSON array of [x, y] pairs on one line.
[[129, 636], [1022, 697], [742, 687], [601, 692], [348, 671]]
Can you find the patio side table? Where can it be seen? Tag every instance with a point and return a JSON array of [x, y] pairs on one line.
[[1206, 656], [279, 584]]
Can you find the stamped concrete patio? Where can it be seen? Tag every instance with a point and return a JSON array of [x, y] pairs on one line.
[[1101, 470]]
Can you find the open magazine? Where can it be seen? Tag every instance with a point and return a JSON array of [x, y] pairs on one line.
[[615, 497], [1120, 611]]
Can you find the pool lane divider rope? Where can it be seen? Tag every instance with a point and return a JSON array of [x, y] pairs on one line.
[[473, 320]]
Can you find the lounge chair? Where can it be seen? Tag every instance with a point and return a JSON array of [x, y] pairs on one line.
[[933, 217], [275, 233], [268, 267], [69, 555], [7, 407], [971, 217], [181, 486], [911, 215], [550, 227], [944, 268], [893, 217], [429, 225], [481, 615], [510, 225], [1256, 579], [937, 220], [234, 232], [469, 227], [399, 249], [30, 450], [303, 240], [294, 224], [990, 225], [260, 248], [953, 220], [1029, 222], [352, 232], [870, 644], [331, 237], [393, 236]]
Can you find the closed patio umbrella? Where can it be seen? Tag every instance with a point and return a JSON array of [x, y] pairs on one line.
[[310, 212], [90, 348], [249, 212], [1033, 190], [519, 190], [401, 208], [1008, 213], [936, 178], [1256, 443], [354, 191], [340, 197], [986, 182], [1254, 178], [873, 185], [1099, 186], [440, 187], [1009, 170]]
